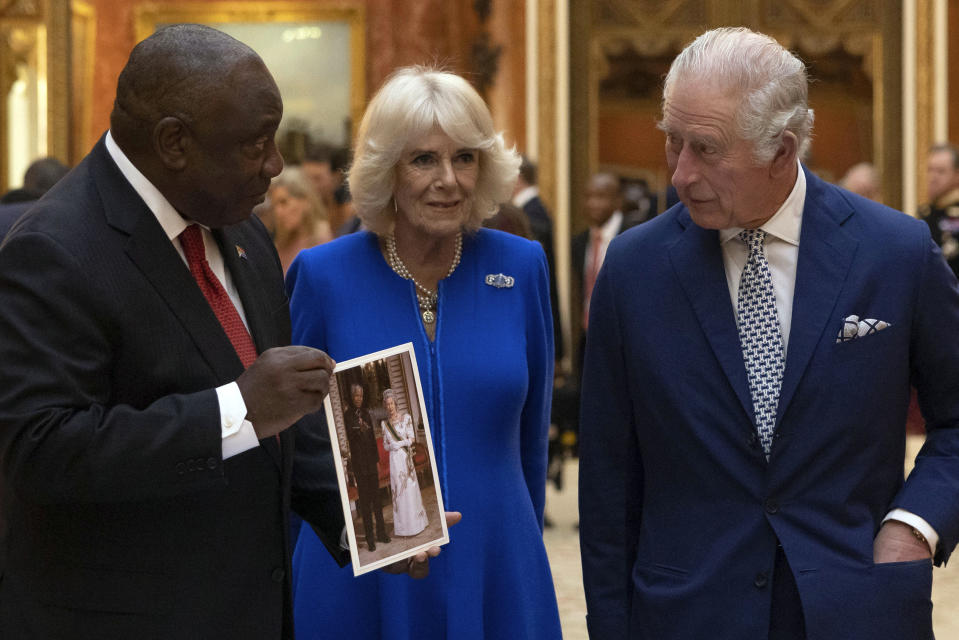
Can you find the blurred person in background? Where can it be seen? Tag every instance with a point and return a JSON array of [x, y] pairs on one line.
[[297, 215], [39, 177], [325, 166], [941, 213], [862, 179]]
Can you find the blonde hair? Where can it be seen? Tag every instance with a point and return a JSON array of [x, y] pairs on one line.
[[407, 107], [298, 186]]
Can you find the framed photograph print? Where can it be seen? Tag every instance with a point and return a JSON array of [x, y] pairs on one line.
[[384, 457]]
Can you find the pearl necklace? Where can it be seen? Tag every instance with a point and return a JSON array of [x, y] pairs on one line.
[[427, 299]]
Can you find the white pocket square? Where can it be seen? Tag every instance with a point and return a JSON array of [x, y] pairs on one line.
[[853, 327]]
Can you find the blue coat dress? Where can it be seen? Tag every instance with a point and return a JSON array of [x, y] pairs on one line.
[[487, 381]]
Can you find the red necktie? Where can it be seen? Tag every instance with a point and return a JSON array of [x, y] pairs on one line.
[[191, 239], [592, 271]]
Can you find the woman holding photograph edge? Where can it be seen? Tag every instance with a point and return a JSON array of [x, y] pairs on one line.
[[428, 169]]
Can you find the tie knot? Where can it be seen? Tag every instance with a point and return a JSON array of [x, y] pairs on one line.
[[191, 239], [753, 238]]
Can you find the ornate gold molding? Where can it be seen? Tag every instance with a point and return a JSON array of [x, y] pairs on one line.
[[82, 64], [20, 9]]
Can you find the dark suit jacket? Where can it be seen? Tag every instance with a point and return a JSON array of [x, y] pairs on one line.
[[578, 257], [680, 512], [10, 213], [541, 226], [124, 520], [364, 454]]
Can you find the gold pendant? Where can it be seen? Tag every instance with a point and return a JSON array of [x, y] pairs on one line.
[[429, 317]]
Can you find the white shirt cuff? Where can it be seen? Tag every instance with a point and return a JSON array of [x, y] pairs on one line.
[[916, 522], [344, 541], [237, 432]]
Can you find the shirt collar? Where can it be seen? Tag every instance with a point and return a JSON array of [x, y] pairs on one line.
[[525, 195], [787, 221], [610, 227], [166, 214]]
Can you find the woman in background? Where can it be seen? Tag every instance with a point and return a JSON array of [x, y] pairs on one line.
[[428, 169], [297, 215]]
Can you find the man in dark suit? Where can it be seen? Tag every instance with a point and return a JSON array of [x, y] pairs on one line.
[[604, 213], [526, 197], [10, 213], [37, 180], [364, 461], [748, 373], [146, 395]]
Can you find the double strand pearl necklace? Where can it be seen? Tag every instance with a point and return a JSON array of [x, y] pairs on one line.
[[427, 299]]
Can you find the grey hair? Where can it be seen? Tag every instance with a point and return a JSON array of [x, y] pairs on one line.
[[772, 82], [406, 108]]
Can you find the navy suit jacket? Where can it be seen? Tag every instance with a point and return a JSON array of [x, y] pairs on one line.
[[10, 213], [680, 511], [124, 520]]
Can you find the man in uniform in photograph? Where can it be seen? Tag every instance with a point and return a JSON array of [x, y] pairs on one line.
[[364, 462], [748, 371]]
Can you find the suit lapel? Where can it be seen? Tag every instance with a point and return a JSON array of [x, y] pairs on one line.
[[249, 285], [698, 263], [233, 246], [826, 252], [156, 258]]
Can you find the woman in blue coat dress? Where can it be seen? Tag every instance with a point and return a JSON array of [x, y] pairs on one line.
[[474, 302]]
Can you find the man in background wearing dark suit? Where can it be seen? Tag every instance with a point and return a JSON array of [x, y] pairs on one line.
[[603, 212], [37, 180], [941, 212], [364, 462], [146, 395], [526, 197]]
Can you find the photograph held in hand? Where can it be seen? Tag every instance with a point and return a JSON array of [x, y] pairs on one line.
[[391, 495]]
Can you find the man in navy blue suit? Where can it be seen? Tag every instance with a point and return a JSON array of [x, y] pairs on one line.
[[747, 378]]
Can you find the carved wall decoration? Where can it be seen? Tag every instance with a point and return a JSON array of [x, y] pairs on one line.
[[854, 93], [20, 9]]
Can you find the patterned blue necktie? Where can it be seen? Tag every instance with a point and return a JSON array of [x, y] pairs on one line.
[[760, 336]]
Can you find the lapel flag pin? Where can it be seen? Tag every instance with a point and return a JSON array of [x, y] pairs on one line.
[[240, 252]]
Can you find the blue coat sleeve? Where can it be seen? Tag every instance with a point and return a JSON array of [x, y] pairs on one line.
[[932, 489], [610, 469], [534, 425], [313, 461]]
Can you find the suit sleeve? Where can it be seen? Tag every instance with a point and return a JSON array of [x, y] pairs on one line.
[[932, 489], [610, 469], [315, 493], [534, 425], [63, 436]]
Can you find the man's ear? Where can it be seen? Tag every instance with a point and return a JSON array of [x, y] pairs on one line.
[[785, 159], [171, 140]]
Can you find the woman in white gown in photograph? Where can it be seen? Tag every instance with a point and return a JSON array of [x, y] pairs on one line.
[[409, 516]]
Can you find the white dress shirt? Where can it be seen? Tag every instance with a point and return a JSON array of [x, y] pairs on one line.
[[524, 196], [607, 231], [236, 431], [782, 254]]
